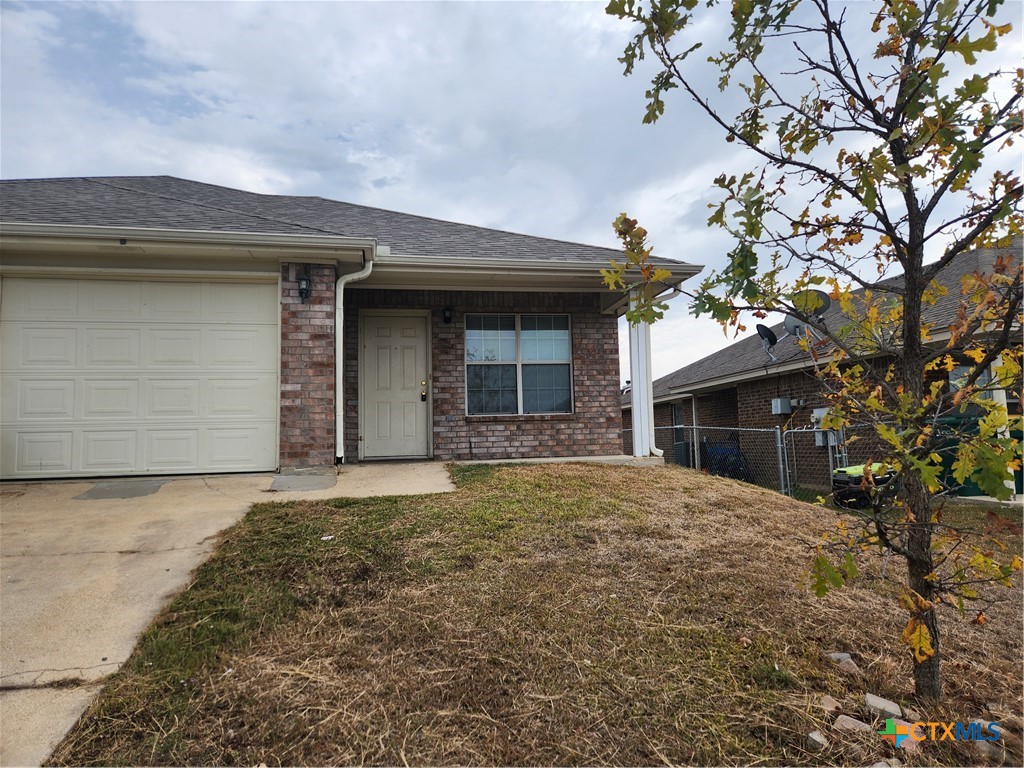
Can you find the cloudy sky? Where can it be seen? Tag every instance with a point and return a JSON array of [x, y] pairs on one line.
[[510, 115]]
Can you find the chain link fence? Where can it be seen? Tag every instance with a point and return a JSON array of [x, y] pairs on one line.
[[751, 455], [796, 462]]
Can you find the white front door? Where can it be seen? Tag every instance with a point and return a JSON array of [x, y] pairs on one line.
[[395, 390]]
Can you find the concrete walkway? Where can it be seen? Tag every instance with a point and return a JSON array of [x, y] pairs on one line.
[[86, 566]]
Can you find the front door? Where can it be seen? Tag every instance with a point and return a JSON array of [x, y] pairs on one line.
[[395, 391]]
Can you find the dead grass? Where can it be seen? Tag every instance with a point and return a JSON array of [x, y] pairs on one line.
[[562, 615]]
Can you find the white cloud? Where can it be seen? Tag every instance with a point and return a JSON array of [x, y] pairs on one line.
[[511, 115]]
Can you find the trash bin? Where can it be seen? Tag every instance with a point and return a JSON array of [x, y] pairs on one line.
[[682, 453], [846, 482]]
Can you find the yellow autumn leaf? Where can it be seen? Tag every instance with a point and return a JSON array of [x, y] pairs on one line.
[[1016, 564], [917, 636], [977, 355]]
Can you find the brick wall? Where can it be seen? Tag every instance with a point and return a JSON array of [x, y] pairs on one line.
[[594, 429], [307, 367], [754, 406], [717, 409]]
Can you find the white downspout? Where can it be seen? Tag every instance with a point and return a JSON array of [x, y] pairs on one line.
[[339, 352]]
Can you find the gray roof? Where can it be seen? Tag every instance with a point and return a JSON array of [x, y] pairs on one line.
[[166, 202], [746, 358]]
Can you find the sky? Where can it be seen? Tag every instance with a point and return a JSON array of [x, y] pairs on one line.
[[512, 115]]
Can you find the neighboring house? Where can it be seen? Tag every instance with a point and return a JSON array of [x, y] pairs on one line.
[[154, 325], [740, 386]]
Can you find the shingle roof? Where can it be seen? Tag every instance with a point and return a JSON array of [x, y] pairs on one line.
[[166, 202], [746, 358]]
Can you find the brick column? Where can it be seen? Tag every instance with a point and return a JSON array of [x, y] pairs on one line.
[[307, 367]]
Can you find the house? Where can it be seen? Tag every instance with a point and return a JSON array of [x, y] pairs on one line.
[[742, 387], [155, 325]]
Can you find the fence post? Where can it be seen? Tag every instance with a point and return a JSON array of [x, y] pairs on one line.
[[779, 460]]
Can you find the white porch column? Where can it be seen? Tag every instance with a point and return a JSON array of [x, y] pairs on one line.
[[999, 397], [642, 389]]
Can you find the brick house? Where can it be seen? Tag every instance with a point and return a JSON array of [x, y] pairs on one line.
[[741, 386], [154, 325]]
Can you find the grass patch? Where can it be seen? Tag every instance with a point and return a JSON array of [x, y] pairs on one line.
[[557, 614]]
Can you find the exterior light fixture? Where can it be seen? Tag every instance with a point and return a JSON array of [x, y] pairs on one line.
[[446, 315], [303, 289]]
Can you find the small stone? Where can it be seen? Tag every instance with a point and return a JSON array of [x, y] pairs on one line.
[[849, 666], [913, 715], [850, 724], [829, 704], [816, 741], [839, 657], [876, 705]]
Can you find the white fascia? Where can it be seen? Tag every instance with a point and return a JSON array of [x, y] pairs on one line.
[[285, 247], [489, 272]]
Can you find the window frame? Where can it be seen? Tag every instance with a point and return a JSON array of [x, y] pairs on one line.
[[518, 362]]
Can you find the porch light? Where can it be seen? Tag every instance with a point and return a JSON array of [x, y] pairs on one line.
[[446, 315], [303, 288]]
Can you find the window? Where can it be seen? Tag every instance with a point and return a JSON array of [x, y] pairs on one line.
[[959, 375], [518, 364]]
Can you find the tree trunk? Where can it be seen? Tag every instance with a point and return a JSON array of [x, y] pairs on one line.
[[927, 677]]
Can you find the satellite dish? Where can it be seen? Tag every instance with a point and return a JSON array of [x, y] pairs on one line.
[[768, 340], [812, 303], [794, 327], [767, 335]]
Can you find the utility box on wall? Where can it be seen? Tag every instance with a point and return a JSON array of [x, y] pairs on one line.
[[781, 406], [822, 437]]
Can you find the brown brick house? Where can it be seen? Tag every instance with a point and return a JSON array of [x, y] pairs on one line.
[[741, 386], [154, 325]]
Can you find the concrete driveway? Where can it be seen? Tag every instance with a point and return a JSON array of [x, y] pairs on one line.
[[86, 566]]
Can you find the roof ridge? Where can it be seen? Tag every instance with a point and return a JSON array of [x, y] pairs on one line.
[[471, 226], [104, 181]]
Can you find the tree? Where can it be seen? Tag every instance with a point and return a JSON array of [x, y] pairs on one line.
[[879, 146]]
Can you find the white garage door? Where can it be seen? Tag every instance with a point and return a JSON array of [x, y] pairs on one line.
[[118, 377]]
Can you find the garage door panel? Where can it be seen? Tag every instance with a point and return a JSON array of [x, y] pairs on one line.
[[172, 399], [173, 348], [111, 348], [172, 450], [249, 398], [39, 300], [40, 453], [40, 400], [110, 300], [172, 302], [232, 303], [109, 452], [134, 377], [237, 348], [110, 399], [233, 448], [39, 347]]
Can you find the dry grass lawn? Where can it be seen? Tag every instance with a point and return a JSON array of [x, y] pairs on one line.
[[558, 614]]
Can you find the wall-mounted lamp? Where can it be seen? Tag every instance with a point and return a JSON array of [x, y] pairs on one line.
[[303, 288], [446, 315]]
